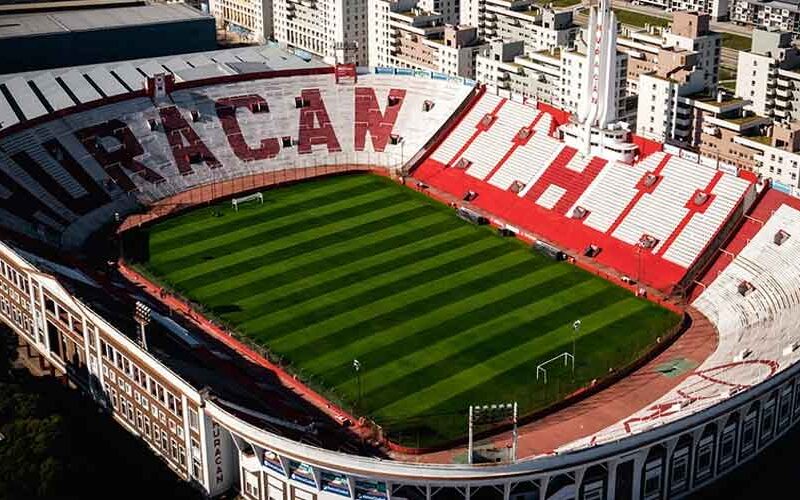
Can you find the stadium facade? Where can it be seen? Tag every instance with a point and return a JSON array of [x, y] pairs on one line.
[[65, 174]]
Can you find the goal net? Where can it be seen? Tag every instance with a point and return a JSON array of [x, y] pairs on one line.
[[244, 199]]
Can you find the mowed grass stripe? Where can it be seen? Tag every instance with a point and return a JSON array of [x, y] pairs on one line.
[[288, 292], [488, 346], [461, 383], [440, 323], [247, 238], [197, 226], [328, 308], [397, 309], [605, 347], [271, 253], [462, 326], [382, 245], [441, 313]]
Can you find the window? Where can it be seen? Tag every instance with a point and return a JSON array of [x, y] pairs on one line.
[[173, 449], [147, 426], [197, 471], [194, 419], [251, 484]]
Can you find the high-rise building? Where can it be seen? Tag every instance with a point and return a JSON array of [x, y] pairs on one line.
[[405, 35], [253, 17], [538, 27], [768, 75], [323, 27], [686, 70]]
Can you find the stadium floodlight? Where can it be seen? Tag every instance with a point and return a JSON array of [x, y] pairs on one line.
[[576, 326], [142, 314], [492, 414], [357, 368]]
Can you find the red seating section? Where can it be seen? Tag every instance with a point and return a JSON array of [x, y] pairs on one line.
[[570, 234], [369, 118], [574, 182], [178, 130], [226, 111], [315, 124]]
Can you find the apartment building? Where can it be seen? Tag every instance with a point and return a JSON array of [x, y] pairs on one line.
[[719, 10], [323, 27], [687, 65], [717, 124], [253, 17], [552, 76], [642, 47], [405, 35], [538, 27], [769, 75], [536, 75], [776, 155], [767, 14]]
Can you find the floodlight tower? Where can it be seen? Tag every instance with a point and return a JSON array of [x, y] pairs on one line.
[[576, 326], [142, 315], [357, 368]]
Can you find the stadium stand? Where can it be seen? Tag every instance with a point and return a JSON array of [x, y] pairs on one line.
[[96, 152], [754, 302], [64, 176], [651, 220]]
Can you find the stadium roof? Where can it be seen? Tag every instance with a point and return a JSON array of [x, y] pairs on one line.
[[61, 88], [43, 23]]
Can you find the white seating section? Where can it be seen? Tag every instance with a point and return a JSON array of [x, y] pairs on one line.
[[414, 126], [610, 193], [528, 162], [702, 226], [458, 137], [489, 148], [774, 271], [659, 213]]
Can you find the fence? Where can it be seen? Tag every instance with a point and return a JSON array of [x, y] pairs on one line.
[[226, 188]]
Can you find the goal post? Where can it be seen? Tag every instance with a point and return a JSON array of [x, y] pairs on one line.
[[567, 357], [244, 199]]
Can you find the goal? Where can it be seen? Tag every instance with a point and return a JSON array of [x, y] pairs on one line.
[[244, 199]]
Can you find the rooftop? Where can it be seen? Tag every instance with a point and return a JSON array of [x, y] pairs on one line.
[[43, 23]]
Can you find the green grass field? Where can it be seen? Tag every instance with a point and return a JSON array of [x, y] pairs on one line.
[[439, 312]]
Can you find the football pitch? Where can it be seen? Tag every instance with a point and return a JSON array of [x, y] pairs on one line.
[[439, 313]]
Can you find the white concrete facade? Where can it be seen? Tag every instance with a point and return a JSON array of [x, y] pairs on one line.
[[404, 34], [322, 26], [253, 16]]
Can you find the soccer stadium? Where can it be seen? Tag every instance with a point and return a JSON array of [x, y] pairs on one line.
[[315, 282]]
